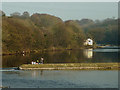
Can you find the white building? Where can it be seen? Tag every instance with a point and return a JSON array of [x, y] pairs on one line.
[[88, 42]]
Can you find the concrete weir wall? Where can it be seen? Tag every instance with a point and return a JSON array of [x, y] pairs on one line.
[[73, 66]]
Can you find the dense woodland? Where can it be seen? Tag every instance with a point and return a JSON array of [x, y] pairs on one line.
[[43, 31]]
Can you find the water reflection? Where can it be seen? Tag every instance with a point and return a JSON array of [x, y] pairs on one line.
[[66, 56], [36, 73], [23, 54], [88, 53]]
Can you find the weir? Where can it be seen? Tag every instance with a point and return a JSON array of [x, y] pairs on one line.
[[71, 66]]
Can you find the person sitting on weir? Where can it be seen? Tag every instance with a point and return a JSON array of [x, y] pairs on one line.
[[37, 62], [33, 62], [42, 59]]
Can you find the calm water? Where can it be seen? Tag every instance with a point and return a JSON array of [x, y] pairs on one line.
[[61, 78], [71, 56]]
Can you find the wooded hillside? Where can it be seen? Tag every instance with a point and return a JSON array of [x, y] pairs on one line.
[[43, 31]]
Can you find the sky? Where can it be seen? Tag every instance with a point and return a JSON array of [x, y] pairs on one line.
[[65, 10]]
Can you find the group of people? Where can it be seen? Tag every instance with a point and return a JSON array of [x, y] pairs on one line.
[[38, 61]]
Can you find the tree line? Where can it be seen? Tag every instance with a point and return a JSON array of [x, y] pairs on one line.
[[43, 31]]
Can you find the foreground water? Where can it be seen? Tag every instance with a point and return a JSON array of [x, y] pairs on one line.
[[60, 79]]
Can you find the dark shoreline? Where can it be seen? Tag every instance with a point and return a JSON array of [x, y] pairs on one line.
[[57, 49], [37, 51]]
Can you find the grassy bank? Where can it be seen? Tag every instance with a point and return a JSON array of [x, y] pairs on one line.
[[71, 66]]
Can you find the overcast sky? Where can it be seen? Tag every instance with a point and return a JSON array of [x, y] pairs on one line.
[[65, 10]]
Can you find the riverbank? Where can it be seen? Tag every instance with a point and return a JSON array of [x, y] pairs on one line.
[[71, 66], [57, 49], [41, 50]]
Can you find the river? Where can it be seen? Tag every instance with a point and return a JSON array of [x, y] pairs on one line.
[[61, 78], [66, 56]]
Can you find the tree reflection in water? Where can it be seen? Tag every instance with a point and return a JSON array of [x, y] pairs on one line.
[[65, 56]]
